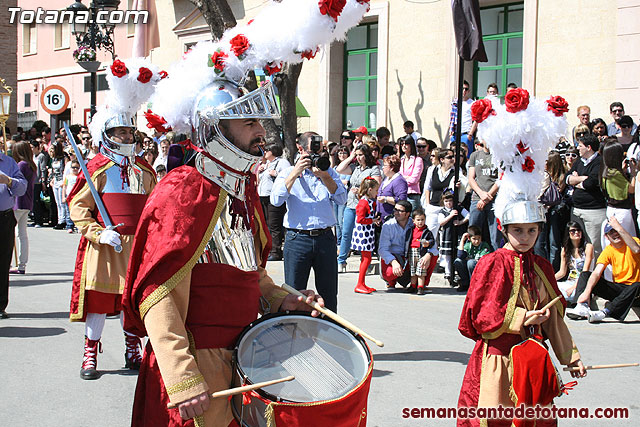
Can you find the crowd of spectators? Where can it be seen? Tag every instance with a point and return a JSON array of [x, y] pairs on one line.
[[415, 225]]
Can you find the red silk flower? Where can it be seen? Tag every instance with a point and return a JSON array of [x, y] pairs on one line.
[[239, 44], [144, 75], [521, 148], [163, 74], [156, 122], [516, 100], [118, 68], [217, 60], [558, 105], [272, 68], [528, 164], [333, 8], [481, 109]]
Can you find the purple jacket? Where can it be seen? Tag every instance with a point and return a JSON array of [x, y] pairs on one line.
[[26, 200], [396, 189]]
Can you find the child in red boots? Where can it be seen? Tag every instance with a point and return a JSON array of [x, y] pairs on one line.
[[363, 238]]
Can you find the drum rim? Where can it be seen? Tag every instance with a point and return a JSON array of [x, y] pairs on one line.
[[237, 369]]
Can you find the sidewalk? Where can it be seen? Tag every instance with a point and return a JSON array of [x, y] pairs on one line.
[[421, 365]]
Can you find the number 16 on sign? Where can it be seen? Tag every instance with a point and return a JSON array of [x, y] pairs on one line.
[[54, 99]]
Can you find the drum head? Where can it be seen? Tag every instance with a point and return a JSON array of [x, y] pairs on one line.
[[327, 360]]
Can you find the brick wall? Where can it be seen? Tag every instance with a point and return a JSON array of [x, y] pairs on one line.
[[8, 56]]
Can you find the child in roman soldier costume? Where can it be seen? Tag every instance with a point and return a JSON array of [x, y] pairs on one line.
[[511, 285], [197, 273], [123, 181]]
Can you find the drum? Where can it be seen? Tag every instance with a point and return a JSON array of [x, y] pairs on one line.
[[332, 368]]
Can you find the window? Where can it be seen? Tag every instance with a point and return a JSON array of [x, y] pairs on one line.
[[27, 100], [131, 26], [360, 76], [101, 83], [502, 36], [29, 38], [61, 36]]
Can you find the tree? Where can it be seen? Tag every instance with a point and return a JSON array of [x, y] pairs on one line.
[[219, 17]]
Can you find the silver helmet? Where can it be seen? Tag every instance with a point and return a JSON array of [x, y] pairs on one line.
[[226, 164], [522, 211], [111, 146]]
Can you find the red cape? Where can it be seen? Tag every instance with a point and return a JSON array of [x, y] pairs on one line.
[[490, 305], [95, 166], [176, 224]]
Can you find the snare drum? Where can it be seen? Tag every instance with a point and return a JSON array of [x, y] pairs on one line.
[[332, 368]]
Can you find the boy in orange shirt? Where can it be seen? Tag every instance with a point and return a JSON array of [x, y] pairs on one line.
[[623, 254]]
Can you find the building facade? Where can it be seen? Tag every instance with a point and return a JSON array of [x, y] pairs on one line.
[[400, 63]]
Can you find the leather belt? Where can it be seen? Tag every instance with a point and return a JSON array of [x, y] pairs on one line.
[[7, 212], [312, 233]]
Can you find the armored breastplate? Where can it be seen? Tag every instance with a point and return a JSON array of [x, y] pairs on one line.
[[115, 182], [232, 242]]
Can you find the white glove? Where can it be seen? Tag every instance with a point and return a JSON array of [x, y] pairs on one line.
[[110, 237]]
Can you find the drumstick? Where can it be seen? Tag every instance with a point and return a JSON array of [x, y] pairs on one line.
[[589, 367], [549, 305], [330, 314], [238, 390]]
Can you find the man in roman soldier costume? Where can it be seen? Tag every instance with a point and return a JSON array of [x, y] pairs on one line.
[[197, 271], [123, 182], [504, 312]]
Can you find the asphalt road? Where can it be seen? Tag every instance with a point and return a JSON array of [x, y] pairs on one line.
[[421, 365]]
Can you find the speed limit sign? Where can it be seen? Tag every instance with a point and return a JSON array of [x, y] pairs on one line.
[[54, 99]]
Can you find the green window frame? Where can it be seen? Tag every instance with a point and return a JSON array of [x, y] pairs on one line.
[[360, 77], [503, 41]]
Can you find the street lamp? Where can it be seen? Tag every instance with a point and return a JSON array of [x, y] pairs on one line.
[[5, 98], [91, 36]]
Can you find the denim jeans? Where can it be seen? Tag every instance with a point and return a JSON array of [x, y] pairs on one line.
[[348, 223], [63, 208], [465, 268], [338, 211], [301, 253], [486, 216]]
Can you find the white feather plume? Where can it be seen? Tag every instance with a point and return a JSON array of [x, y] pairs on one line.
[[126, 94], [539, 130], [277, 35]]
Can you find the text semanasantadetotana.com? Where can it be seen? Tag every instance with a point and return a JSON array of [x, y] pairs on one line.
[[522, 412]]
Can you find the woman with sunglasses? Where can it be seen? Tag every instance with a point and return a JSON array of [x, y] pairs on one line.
[[625, 123], [440, 179], [576, 256], [580, 131], [346, 138], [364, 167], [411, 169]]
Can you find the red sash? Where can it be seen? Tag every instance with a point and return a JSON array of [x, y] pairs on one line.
[[124, 209], [222, 302]]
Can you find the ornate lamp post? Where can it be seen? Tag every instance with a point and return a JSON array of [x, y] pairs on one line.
[[92, 36], [5, 102]]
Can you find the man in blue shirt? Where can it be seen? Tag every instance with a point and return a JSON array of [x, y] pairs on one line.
[[309, 240], [393, 237], [12, 185]]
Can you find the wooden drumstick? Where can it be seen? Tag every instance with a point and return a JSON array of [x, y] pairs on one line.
[[239, 390], [330, 314], [590, 367], [549, 305]]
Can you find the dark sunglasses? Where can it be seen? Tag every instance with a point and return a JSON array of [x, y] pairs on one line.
[[345, 137], [625, 126], [398, 211], [421, 146], [465, 88], [581, 133], [617, 111], [572, 155], [449, 157], [86, 138], [75, 167], [574, 231]]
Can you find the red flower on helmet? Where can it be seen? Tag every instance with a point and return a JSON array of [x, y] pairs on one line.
[[516, 100], [309, 54], [333, 8], [156, 122], [144, 75], [521, 148], [528, 164], [271, 68], [558, 105], [239, 45], [481, 109], [118, 68], [217, 60], [163, 74]]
